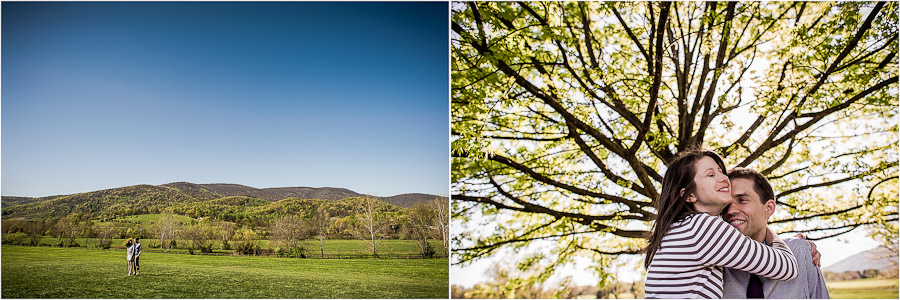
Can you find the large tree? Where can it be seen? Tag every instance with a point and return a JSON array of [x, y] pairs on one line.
[[565, 115]]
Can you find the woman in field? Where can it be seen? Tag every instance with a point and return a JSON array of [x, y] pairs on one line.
[[690, 243], [129, 255]]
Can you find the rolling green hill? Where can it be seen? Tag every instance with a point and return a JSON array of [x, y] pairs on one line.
[[194, 190], [124, 201], [229, 202], [11, 200]]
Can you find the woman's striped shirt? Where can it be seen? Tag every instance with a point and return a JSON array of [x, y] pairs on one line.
[[689, 261]]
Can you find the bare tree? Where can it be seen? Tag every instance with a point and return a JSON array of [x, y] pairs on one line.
[[372, 224], [441, 228], [167, 228], [421, 225], [289, 233], [104, 236], [200, 237], [35, 230], [68, 229], [225, 230], [321, 222]]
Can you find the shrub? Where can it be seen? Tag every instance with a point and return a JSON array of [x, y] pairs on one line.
[[17, 238], [429, 251], [104, 244], [246, 248]]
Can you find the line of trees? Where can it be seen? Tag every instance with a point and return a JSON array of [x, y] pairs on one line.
[[370, 222]]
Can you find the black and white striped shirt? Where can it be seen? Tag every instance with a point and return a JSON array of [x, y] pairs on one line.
[[689, 261]]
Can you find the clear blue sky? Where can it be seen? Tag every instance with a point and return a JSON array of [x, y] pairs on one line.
[[104, 95]]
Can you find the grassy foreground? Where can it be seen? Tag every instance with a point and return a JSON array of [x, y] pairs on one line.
[[49, 272], [869, 288]]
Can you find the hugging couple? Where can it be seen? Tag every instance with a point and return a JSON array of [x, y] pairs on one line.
[[710, 238]]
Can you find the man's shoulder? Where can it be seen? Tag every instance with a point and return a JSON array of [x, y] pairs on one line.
[[797, 244], [809, 280]]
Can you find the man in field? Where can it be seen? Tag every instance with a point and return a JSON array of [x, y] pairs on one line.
[[753, 203], [137, 256]]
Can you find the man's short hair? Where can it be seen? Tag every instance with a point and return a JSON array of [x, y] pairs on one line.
[[760, 183]]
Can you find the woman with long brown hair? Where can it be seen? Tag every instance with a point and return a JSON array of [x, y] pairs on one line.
[[690, 243], [129, 255]]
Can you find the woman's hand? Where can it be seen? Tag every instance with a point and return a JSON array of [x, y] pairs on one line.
[[816, 256]]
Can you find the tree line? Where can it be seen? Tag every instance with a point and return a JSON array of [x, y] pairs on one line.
[[370, 220]]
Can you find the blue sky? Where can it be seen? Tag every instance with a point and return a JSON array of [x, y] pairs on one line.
[[104, 95]]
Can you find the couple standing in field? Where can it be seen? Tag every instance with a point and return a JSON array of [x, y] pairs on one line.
[[711, 239], [133, 256]]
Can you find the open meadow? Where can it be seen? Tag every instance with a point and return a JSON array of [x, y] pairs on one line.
[[51, 272], [868, 288]]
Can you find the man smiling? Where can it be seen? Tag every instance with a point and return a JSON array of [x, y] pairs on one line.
[[753, 203]]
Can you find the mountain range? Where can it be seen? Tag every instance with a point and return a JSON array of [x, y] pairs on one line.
[[880, 258], [147, 198]]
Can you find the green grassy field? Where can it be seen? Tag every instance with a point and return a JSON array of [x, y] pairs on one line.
[[869, 288], [50, 272]]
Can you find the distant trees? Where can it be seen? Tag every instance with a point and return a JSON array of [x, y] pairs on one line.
[[200, 236], [285, 226], [245, 241], [289, 232], [68, 229], [224, 231], [104, 236], [852, 275], [32, 230]]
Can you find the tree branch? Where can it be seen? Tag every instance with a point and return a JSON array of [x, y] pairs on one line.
[[657, 79], [816, 117], [828, 183], [705, 119], [629, 251], [633, 205], [600, 165], [849, 47], [631, 35]]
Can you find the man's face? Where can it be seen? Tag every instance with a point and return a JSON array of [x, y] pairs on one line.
[[747, 213]]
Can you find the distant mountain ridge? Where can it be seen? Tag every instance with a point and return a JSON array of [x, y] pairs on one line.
[[880, 259], [131, 199], [270, 194]]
